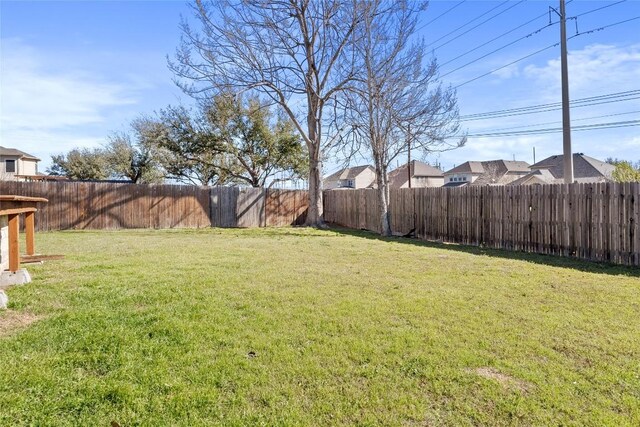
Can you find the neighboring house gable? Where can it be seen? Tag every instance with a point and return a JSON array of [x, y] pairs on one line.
[[355, 177], [16, 165], [492, 172], [551, 170], [502, 172], [463, 174], [535, 177], [422, 175]]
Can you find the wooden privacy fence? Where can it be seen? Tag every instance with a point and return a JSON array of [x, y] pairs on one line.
[[100, 205], [590, 221], [257, 207]]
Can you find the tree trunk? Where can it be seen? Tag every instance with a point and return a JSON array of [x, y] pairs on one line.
[[314, 214], [383, 202]]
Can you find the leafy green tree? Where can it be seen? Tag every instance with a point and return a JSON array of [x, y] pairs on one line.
[[124, 157], [625, 171], [260, 143], [230, 142], [187, 149], [81, 164], [135, 160]]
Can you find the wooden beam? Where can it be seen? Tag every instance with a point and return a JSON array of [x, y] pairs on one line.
[[30, 232], [12, 198], [15, 211], [14, 243], [27, 259]]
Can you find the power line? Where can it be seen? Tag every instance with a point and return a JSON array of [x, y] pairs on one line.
[[500, 36], [557, 122], [469, 22], [509, 64], [551, 109], [599, 8], [608, 96], [592, 100], [442, 14], [495, 38], [480, 24], [543, 49], [604, 27], [499, 49], [594, 126]]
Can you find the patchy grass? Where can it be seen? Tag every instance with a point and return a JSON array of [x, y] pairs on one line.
[[14, 321], [505, 380], [306, 327]]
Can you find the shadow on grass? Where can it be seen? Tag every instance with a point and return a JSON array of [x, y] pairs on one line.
[[548, 260], [284, 231]]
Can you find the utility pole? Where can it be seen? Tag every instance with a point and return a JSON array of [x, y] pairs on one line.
[[566, 118], [409, 153]]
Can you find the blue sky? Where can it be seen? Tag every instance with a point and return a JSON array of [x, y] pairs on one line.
[[71, 73]]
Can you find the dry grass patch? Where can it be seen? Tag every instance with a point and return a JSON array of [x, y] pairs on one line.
[[507, 381], [12, 321]]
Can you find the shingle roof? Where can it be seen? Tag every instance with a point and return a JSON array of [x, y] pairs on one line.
[[492, 172], [606, 169], [584, 167], [515, 165], [456, 184], [423, 169], [398, 177], [417, 169], [14, 152], [501, 172], [349, 173], [467, 167], [542, 175], [501, 166]]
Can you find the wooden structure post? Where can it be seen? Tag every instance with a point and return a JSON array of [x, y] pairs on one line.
[[14, 242], [13, 207], [30, 232]]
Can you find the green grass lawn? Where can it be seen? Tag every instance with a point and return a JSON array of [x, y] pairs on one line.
[[306, 327]]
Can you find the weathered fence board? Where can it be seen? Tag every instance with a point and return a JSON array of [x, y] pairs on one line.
[[590, 221], [100, 205]]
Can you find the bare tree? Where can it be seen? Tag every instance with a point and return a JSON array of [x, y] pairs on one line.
[[492, 172], [396, 103], [295, 52]]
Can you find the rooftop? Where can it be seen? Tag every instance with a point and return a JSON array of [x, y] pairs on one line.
[[4, 151], [349, 173], [583, 167]]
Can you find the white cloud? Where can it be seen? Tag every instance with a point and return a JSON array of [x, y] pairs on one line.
[[47, 109], [33, 97], [506, 148], [593, 70], [508, 72]]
